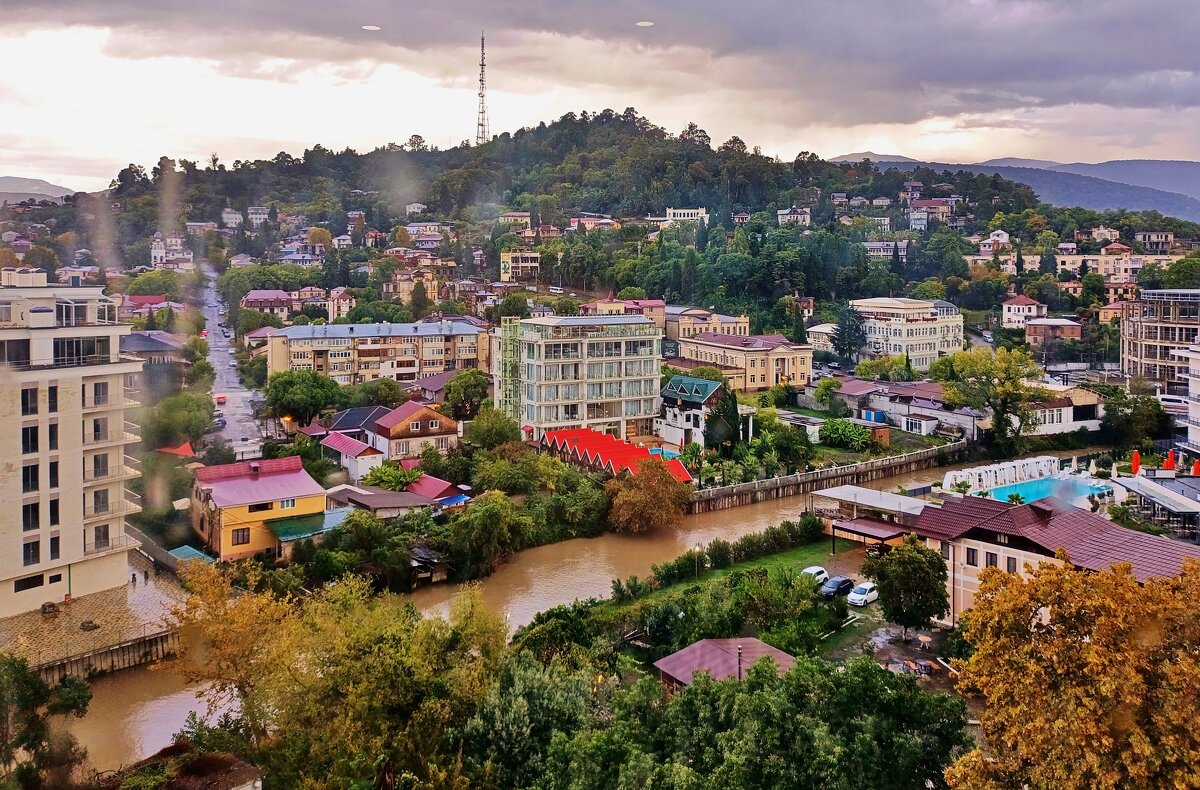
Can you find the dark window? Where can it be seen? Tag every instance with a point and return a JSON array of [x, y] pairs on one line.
[[29, 478], [54, 544], [31, 552], [990, 559], [28, 583], [99, 466], [261, 507], [31, 516], [53, 474], [52, 398], [52, 435], [54, 512], [1011, 564], [55, 578], [100, 393], [100, 536], [241, 536], [972, 556], [29, 439], [29, 402], [945, 549]]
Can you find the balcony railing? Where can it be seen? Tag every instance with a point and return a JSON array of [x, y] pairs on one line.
[[130, 468], [109, 437], [71, 362], [115, 543], [129, 504], [109, 402]]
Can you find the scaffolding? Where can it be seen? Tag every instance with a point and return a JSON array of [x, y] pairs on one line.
[[508, 385]]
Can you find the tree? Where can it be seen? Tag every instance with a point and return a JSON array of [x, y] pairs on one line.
[[1133, 420], [300, 395], [1001, 382], [707, 372], [31, 755], [250, 320], [492, 428], [320, 236], [632, 292], [392, 477], [849, 337], [420, 303], [465, 390], [651, 499], [1088, 679], [565, 305], [912, 584], [490, 529], [824, 393], [183, 416], [1184, 273], [512, 305], [843, 433]]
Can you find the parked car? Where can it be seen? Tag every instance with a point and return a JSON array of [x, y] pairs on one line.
[[863, 594], [878, 549], [217, 425], [233, 363], [835, 586], [817, 572], [220, 399]]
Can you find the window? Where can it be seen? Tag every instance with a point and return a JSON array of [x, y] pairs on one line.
[[442, 443], [53, 474], [260, 507], [52, 398], [945, 549], [29, 439], [28, 583], [402, 447], [284, 504], [55, 578], [29, 404], [100, 393], [54, 546], [1002, 539], [241, 536], [100, 536], [1011, 564], [973, 557], [54, 512], [990, 559], [29, 478], [433, 424], [414, 426], [31, 517], [31, 552], [52, 436]]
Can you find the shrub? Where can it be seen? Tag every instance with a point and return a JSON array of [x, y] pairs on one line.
[[720, 554], [798, 637], [839, 610], [812, 528], [618, 591]]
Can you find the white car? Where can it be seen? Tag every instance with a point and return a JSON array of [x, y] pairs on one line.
[[863, 594], [817, 572]]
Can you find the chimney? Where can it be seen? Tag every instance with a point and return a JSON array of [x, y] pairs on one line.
[[254, 467], [739, 662]]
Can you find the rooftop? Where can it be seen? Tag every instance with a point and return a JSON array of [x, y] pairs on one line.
[[250, 482], [690, 388], [1023, 300], [719, 658], [873, 499], [348, 331], [756, 342], [588, 320]]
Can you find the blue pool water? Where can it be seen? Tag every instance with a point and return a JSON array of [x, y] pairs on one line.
[[666, 454], [1068, 488]]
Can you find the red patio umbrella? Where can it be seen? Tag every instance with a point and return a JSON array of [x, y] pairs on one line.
[[1196, 468], [1136, 463], [1170, 462]]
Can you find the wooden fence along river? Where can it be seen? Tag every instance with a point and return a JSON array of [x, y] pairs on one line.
[[725, 497], [143, 649]]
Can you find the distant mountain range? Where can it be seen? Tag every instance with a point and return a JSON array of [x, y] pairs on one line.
[[1166, 186], [14, 189]]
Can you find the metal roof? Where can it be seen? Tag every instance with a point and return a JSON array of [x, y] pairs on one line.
[[298, 527], [877, 500], [1159, 494], [719, 658], [348, 331]]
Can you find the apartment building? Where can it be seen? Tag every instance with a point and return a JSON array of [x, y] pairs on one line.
[[257, 215], [1040, 331], [687, 215], [66, 388], [404, 281], [354, 353], [598, 372], [1159, 323], [682, 321], [757, 362], [1155, 241], [1190, 359], [922, 330], [654, 309], [520, 266], [1017, 311]]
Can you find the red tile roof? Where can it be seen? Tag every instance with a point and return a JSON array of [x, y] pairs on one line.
[[248, 482], [1091, 541], [719, 658], [608, 452], [1022, 299], [432, 487], [142, 300], [340, 442], [742, 341], [402, 414]]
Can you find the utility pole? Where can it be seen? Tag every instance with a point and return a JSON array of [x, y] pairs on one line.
[[482, 135]]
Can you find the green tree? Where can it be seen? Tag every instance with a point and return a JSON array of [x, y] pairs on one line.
[[1001, 382], [650, 500], [824, 393], [420, 303], [491, 528], [300, 395], [391, 477], [31, 754], [565, 305], [912, 584], [492, 428], [512, 305], [631, 292], [249, 320], [176, 418], [465, 390], [849, 337]]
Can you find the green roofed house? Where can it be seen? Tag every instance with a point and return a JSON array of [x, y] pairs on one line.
[[315, 525], [686, 403]]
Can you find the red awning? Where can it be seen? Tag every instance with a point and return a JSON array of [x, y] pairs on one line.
[[183, 451]]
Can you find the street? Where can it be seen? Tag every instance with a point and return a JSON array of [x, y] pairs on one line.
[[241, 431]]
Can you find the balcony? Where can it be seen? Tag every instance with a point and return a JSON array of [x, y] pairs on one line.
[[109, 402], [115, 543], [130, 468], [129, 504], [92, 440]]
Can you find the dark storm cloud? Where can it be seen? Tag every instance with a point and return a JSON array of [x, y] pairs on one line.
[[836, 61]]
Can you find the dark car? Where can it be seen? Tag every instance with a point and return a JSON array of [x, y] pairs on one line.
[[835, 586], [217, 424]]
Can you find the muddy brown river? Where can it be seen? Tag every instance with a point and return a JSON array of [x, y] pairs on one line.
[[135, 712]]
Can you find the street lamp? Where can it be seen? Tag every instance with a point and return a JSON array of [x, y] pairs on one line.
[[696, 552]]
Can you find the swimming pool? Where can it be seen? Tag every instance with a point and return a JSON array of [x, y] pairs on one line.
[[667, 455], [1068, 488]]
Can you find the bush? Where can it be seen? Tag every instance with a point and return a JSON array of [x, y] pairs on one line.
[[955, 645], [720, 554], [812, 528], [798, 638], [839, 610]]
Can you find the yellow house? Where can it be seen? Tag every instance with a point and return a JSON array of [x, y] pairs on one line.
[[250, 507]]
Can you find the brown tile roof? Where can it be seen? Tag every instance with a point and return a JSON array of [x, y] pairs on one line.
[[719, 658], [741, 341], [1022, 299]]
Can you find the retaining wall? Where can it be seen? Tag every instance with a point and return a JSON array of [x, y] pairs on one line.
[[130, 653]]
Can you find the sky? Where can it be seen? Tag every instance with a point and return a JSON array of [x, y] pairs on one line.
[[96, 84]]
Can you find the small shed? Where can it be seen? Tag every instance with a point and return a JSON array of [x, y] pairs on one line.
[[720, 658]]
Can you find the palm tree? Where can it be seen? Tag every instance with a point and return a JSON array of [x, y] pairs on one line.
[[1016, 499], [692, 456], [392, 477]]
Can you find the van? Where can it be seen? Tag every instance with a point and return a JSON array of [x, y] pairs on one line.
[[554, 289]]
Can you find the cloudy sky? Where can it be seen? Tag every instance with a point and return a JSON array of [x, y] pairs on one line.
[[87, 86]]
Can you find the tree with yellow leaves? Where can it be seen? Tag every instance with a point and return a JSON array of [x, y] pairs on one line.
[[320, 236], [1003, 382], [1090, 680], [652, 499]]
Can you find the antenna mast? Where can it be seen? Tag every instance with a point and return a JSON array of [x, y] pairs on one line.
[[482, 135]]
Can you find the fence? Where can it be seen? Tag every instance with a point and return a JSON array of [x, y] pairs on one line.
[[161, 558], [804, 482], [143, 649]]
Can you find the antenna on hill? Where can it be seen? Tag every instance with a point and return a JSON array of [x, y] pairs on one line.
[[481, 123]]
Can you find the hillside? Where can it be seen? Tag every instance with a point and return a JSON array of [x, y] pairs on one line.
[[1168, 175], [31, 187]]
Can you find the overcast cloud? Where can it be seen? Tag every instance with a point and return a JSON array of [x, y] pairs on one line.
[[959, 80]]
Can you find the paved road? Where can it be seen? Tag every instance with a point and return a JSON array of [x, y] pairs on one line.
[[977, 340], [241, 430]]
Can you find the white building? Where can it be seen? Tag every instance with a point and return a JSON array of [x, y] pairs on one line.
[[231, 218], [918, 219], [922, 330], [687, 215], [997, 241], [342, 242], [1190, 356], [165, 250], [257, 215], [198, 228], [414, 208], [598, 372], [884, 249], [794, 216], [820, 337], [686, 404], [1019, 309], [63, 529]]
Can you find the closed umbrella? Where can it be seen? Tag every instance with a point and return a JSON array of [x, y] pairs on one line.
[[1136, 464], [1196, 468], [1170, 462], [1092, 468]]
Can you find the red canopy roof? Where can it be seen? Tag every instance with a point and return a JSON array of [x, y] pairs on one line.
[[183, 451]]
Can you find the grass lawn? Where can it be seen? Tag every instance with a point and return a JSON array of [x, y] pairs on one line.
[[845, 643], [797, 559], [824, 415]]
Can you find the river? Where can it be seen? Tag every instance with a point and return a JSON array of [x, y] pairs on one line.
[[135, 712]]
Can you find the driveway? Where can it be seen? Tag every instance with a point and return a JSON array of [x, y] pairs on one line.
[[241, 430]]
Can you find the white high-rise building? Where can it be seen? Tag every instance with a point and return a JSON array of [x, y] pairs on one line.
[[62, 527], [922, 330]]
